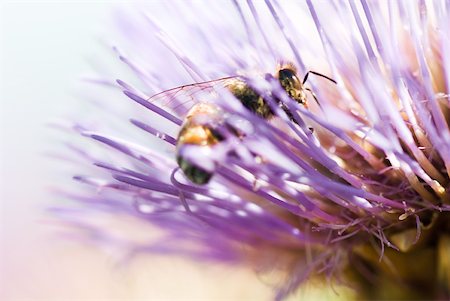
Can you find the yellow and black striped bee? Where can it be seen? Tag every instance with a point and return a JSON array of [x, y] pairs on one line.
[[195, 131]]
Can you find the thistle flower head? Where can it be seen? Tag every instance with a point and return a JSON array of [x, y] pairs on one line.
[[356, 189]]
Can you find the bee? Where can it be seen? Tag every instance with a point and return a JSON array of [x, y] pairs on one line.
[[200, 128], [202, 122]]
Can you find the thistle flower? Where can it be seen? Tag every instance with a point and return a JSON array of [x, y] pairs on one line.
[[362, 199]]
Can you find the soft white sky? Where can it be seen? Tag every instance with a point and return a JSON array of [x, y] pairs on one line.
[[43, 49]]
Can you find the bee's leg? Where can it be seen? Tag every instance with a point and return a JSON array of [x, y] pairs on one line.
[[291, 116], [317, 101], [314, 96], [288, 112]]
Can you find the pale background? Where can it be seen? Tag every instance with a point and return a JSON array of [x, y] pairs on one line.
[[43, 51]]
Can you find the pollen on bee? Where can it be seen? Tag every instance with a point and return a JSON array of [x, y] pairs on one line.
[[198, 135]]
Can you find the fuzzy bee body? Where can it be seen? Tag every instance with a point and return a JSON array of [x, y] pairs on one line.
[[250, 99], [196, 132], [201, 123], [206, 135]]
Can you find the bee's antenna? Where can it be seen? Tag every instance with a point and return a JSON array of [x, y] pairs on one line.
[[319, 74]]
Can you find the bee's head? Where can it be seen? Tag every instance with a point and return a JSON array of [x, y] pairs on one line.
[[291, 84]]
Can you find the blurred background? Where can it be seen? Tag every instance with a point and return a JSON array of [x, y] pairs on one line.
[[44, 48]]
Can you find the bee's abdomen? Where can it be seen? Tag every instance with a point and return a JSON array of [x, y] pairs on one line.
[[250, 99], [194, 173], [198, 130]]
